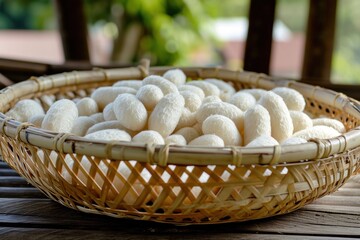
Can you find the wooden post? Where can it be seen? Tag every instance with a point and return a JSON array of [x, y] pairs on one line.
[[319, 41], [259, 38], [73, 29]]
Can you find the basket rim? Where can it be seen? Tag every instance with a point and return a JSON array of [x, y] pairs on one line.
[[184, 155]]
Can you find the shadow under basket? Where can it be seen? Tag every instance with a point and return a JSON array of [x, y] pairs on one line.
[[173, 184]]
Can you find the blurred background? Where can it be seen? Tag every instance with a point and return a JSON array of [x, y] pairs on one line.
[[177, 32]]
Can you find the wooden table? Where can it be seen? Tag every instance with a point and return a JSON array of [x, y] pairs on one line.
[[25, 213]]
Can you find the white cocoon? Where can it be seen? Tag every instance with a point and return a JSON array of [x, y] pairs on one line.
[[263, 141], [175, 139], [176, 76], [208, 140], [61, 116], [192, 100], [208, 88], [166, 114], [221, 108], [188, 133], [87, 106], [149, 95], [256, 123], [335, 124], [25, 109], [105, 95], [293, 99], [223, 127], [130, 112], [300, 120], [226, 90], [320, 132], [243, 100], [281, 122], [110, 135], [148, 137], [81, 125], [108, 112], [115, 124], [198, 91], [165, 85]]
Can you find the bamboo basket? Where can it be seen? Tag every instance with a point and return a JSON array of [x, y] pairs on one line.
[[179, 185]]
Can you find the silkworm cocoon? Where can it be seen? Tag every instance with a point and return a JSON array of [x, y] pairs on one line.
[[61, 116], [263, 141], [226, 90], [148, 137], [243, 100], [175, 139], [281, 122], [81, 93], [192, 100], [293, 99], [165, 85], [221, 108], [135, 84], [81, 125], [188, 133], [175, 76], [187, 119], [105, 95], [87, 106], [47, 101], [224, 128], [210, 99], [130, 112], [25, 109], [108, 112], [60, 96], [320, 132], [208, 88], [335, 124], [256, 123], [37, 120], [198, 91], [293, 141], [257, 93], [208, 140], [300, 120], [97, 117], [166, 114], [70, 95], [149, 95], [109, 125], [110, 135]]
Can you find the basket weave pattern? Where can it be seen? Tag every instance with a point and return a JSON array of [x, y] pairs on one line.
[[224, 185]]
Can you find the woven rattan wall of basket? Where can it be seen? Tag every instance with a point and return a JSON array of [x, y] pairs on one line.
[[180, 185]]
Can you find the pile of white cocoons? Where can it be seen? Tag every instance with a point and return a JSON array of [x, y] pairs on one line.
[[170, 110]]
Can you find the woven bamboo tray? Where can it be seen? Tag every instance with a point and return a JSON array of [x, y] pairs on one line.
[[187, 185]]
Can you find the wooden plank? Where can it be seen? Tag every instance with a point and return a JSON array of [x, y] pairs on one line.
[[319, 41], [3, 165], [23, 192], [332, 209], [259, 38], [73, 29], [46, 233], [13, 181], [50, 215], [8, 172]]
